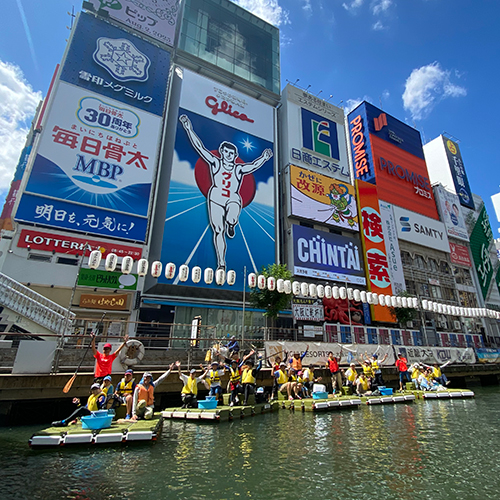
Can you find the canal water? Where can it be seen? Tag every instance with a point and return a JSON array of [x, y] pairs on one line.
[[436, 449]]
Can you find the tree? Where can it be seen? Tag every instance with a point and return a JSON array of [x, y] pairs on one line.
[[403, 314], [272, 301]]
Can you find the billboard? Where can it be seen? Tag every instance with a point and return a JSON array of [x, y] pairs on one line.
[[459, 254], [458, 173], [480, 240], [221, 195], [392, 247], [376, 260], [388, 153], [107, 279], [421, 230], [101, 158], [318, 254], [323, 199], [156, 18], [314, 134], [451, 213]]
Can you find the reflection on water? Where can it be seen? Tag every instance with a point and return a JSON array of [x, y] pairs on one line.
[[435, 449]]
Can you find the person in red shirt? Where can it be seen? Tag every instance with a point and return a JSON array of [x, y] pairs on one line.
[[332, 363], [402, 366], [105, 359]]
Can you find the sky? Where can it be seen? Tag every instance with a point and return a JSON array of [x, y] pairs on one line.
[[430, 63]]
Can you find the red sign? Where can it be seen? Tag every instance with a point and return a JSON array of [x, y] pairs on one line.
[[47, 242], [460, 255]]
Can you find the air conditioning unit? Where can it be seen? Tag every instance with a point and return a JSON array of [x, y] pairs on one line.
[[457, 325], [442, 324], [409, 324]]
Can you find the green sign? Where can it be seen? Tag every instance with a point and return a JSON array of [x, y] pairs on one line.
[[480, 240], [104, 279], [497, 278]]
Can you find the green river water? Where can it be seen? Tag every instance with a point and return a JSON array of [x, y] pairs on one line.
[[435, 449]]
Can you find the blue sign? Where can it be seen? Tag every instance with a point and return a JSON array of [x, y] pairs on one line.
[[320, 134], [114, 63], [361, 149], [59, 214], [458, 173], [325, 255], [21, 165]]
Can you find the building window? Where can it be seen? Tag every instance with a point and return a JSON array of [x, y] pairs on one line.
[[423, 289], [433, 266], [410, 287], [445, 267], [435, 292], [406, 258], [419, 262], [448, 294]]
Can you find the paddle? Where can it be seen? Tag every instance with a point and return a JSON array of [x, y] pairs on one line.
[[69, 383]]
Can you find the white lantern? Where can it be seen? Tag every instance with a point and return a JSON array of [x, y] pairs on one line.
[[435, 307], [424, 304], [404, 302], [381, 299], [304, 289], [394, 301], [399, 301], [271, 283], [320, 289], [111, 261], [357, 295], [280, 285], [296, 288], [261, 281], [170, 270], [127, 263], [142, 267], [183, 273], [208, 275], [288, 287], [363, 296], [231, 277], [350, 293], [196, 274], [369, 297], [415, 302], [95, 259], [343, 293], [328, 291], [375, 298], [156, 269], [336, 292], [252, 280], [220, 276]]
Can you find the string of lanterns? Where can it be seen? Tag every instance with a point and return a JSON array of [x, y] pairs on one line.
[[285, 286]]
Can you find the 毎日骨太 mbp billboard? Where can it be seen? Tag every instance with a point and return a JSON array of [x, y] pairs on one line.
[[220, 210]]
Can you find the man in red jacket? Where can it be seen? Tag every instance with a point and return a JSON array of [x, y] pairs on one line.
[[402, 366], [332, 363], [105, 359]]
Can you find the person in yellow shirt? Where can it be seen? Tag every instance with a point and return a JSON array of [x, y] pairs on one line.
[[363, 385], [351, 375], [189, 392]]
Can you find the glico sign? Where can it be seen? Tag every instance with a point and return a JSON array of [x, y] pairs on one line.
[[388, 153]]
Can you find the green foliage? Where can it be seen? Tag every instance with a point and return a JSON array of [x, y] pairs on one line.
[[401, 314], [273, 302]]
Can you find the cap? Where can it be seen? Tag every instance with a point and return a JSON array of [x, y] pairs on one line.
[[129, 371], [375, 356], [352, 364], [282, 364], [215, 363], [107, 346], [95, 386], [400, 353], [233, 337], [147, 374], [193, 371], [107, 377], [234, 361]]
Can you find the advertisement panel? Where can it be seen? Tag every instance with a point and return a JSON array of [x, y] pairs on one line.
[[305, 309], [458, 173], [459, 254], [322, 199], [325, 255], [451, 213], [99, 154], [105, 59], [315, 134], [392, 247], [372, 233], [106, 279], [361, 150], [480, 240], [70, 245], [221, 196], [156, 18], [112, 302], [421, 230]]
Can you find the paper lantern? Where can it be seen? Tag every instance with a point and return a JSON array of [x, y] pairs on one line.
[[280, 285], [220, 276], [271, 283], [381, 299], [111, 261], [252, 280], [404, 302], [313, 292], [296, 288], [231, 277], [335, 292], [304, 289], [328, 291], [399, 301], [95, 259], [127, 263], [343, 293], [170, 269], [375, 298], [424, 304], [320, 289], [156, 269], [415, 302], [196, 274], [288, 287], [357, 295], [142, 267], [394, 301], [208, 275], [261, 282], [350, 293]]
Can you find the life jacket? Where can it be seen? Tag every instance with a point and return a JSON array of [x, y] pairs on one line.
[[105, 390], [300, 380], [190, 387], [146, 394], [364, 384], [415, 373], [308, 375], [283, 378], [296, 364], [375, 366], [214, 376], [367, 370], [351, 375], [235, 375], [247, 377], [292, 378], [92, 402], [436, 372], [125, 387]]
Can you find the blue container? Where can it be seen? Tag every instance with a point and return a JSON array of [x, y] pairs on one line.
[[385, 391], [320, 395], [210, 398], [100, 413], [96, 423], [207, 405]]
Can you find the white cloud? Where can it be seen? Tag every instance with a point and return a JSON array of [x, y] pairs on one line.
[[386, 94], [265, 193], [355, 4], [18, 102], [350, 104], [381, 6], [182, 171], [269, 10], [307, 6], [426, 86], [378, 26]]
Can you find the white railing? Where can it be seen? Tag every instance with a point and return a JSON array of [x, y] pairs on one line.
[[34, 306]]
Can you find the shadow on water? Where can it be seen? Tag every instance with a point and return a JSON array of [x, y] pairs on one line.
[[435, 449]]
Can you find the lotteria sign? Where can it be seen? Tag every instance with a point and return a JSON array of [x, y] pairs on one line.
[[319, 254]]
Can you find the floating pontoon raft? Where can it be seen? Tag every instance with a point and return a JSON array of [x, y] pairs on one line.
[[447, 394], [317, 405], [121, 431]]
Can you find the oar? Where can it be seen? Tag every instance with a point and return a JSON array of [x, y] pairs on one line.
[[69, 383]]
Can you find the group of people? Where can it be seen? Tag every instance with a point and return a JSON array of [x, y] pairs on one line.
[[424, 377]]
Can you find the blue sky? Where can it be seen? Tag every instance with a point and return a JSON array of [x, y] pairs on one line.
[[431, 63]]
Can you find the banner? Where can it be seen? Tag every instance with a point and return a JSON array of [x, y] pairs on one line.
[[111, 302], [451, 213], [156, 18], [305, 309], [322, 199], [459, 254], [440, 355], [485, 355], [107, 279], [325, 255], [458, 173]]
